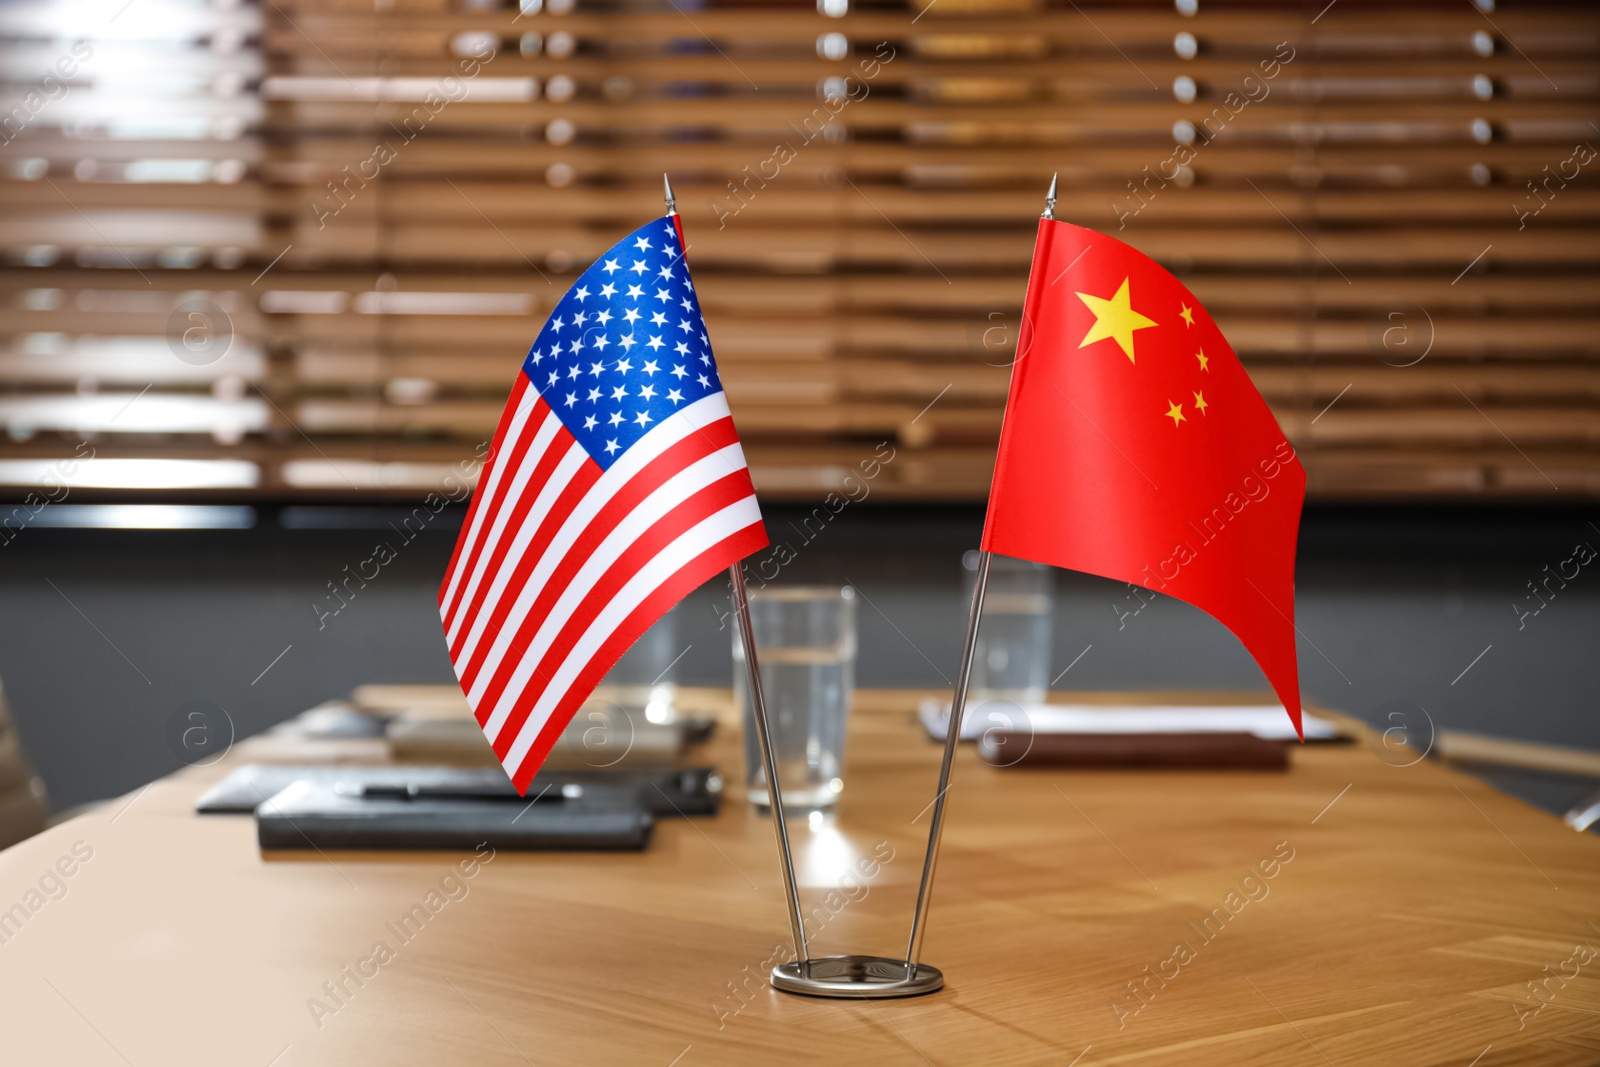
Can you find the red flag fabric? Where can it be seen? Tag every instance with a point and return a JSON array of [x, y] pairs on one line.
[[1136, 447]]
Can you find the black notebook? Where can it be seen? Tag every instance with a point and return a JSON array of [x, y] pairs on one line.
[[668, 794], [372, 815]]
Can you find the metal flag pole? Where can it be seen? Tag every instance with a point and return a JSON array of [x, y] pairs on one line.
[[952, 737], [851, 976], [769, 760], [958, 707], [758, 700]]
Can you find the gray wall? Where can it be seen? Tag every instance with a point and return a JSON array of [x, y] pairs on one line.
[[105, 635]]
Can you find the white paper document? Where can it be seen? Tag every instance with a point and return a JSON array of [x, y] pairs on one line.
[[1267, 721]]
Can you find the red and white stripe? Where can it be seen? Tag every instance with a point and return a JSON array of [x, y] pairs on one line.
[[561, 566]]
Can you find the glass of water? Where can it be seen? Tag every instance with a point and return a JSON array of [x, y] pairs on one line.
[[641, 682], [1012, 660], [806, 644]]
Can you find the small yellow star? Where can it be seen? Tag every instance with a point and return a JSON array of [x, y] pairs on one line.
[[1114, 318], [1200, 403], [1201, 356], [1175, 412], [1188, 314]]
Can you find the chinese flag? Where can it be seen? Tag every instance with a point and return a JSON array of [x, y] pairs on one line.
[[1135, 447]]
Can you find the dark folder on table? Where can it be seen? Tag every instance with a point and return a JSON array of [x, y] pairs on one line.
[[351, 814], [1169, 751], [408, 807], [665, 793]]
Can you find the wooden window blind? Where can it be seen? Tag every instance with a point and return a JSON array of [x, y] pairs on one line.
[[296, 249]]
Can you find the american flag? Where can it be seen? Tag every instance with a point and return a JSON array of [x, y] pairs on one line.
[[614, 486]]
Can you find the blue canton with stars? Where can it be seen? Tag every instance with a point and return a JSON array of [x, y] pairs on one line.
[[626, 347]]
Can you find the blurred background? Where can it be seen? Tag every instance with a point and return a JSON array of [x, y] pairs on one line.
[[267, 270]]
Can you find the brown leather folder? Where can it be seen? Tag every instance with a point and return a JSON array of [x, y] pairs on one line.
[[1222, 751]]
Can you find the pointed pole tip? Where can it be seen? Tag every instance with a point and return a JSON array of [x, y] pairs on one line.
[[666, 187], [1050, 197]]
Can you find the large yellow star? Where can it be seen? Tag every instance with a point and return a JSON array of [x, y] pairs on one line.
[[1114, 318]]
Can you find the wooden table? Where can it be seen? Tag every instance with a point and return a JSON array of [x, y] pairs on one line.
[[1407, 909]]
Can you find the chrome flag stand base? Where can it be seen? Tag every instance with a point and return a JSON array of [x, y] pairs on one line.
[[852, 977], [856, 976]]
